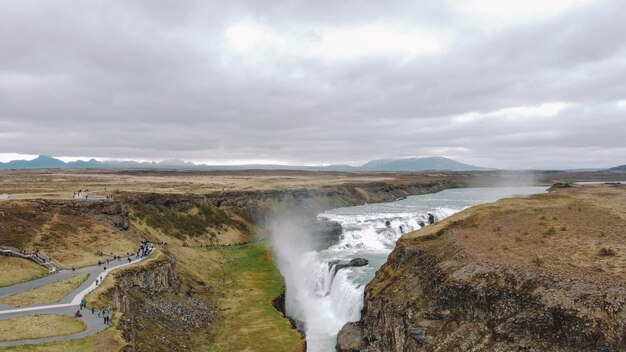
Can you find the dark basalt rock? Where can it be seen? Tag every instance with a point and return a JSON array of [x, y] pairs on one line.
[[356, 262], [559, 185]]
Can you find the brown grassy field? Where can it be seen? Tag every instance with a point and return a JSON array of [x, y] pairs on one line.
[[15, 270], [109, 340], [39, 326], [67, 235], [50, 293], [572, 232], [60, 184]]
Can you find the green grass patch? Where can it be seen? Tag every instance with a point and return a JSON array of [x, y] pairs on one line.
[[250, 322]]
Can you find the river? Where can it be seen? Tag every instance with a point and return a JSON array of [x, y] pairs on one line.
[[324, 299]]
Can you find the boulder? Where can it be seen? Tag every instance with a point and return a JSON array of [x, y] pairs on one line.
[[350, 338]]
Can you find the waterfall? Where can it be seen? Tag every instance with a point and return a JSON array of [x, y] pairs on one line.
[[321, 297]]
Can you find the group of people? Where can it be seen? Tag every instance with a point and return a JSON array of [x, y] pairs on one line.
[[83, 194], [105, 313], [144, 250]]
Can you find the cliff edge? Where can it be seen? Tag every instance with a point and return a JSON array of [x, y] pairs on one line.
[[544, 273]]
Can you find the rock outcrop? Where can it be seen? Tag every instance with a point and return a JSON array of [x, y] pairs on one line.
[[436, 300], [154, 315], [155, 277], [350, 338], [356, 262]]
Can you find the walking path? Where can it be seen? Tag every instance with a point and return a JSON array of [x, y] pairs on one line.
[[68, 306], [49, 264]]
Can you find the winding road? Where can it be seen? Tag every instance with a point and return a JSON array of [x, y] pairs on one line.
[[67, 306]]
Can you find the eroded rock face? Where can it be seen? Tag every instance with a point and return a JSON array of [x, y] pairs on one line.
[[155, 277], [432, 297], [350, 338], [155, 315]]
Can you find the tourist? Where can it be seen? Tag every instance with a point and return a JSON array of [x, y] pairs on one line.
[[93, 311]]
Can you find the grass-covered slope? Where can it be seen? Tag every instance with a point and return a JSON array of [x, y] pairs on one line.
[[250, 283], [16, 270]]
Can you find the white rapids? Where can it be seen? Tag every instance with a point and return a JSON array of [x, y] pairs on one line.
[[323, 299]]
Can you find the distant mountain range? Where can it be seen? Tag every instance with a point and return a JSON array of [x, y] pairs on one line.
[[407, 164], [621, 168]]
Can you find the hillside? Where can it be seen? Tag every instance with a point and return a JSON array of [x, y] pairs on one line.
[[535, 274]]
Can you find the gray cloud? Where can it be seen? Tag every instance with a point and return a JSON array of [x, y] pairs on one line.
[[157, 80]]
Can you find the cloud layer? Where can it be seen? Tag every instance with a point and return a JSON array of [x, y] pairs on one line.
[[310, 82]]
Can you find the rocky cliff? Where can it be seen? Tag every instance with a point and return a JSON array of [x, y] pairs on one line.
[[154, 315], [522, 288], [256, 205]]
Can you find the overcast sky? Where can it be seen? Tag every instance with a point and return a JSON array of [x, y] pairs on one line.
[[511, 84]]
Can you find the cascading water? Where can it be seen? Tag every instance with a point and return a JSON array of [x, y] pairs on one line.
[[322, 297]]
